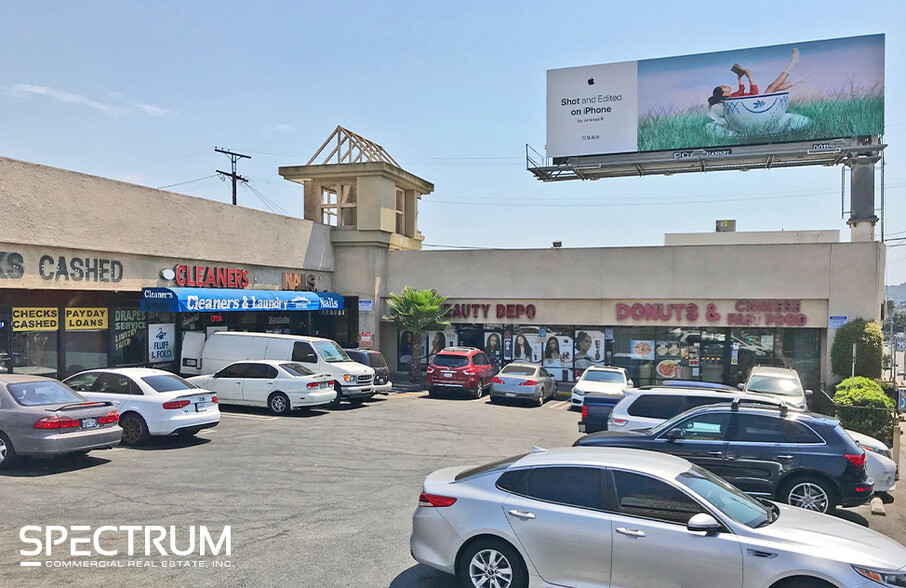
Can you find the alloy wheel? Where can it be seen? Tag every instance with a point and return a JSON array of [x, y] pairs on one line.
[[132, 429], [809, 496], [4, 450], [278, 403], [490, 569]]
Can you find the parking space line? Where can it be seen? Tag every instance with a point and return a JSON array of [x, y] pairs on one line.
[[404, 394], [250, 417]]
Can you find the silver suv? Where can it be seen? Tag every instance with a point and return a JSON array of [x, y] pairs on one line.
[[782, 384]]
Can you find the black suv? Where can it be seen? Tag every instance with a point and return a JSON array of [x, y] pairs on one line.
[[374, 360], [805, 459]]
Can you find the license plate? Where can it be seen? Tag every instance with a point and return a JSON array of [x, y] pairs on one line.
[[448, 374], [510, 395], [324, 385], [89, 423], [201, 406]]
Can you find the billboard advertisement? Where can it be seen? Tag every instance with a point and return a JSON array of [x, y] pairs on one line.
[[808, 91]]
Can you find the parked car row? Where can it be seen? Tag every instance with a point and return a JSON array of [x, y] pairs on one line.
[[100, 408]]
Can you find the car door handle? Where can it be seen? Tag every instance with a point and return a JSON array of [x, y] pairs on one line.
[[630, 532], [521, 514], [715, 453], [759, 553], [785, 458]]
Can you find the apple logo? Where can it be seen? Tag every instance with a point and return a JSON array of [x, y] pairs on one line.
[[591, 81]]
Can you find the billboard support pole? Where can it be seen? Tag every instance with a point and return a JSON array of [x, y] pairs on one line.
[[862, 217]]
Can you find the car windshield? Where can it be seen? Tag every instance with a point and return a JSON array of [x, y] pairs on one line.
[[330, 351], [42, 393], [603, 376], [377, 360], [451, 361], [774, 385], [168, 383], [295, 369], [519, 370], [726, 498]]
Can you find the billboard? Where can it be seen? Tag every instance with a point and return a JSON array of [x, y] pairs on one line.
[[810, 91]]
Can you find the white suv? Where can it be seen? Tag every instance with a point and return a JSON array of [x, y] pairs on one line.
[[605, 380]]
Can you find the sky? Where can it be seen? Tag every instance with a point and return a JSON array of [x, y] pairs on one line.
[[143, 92]]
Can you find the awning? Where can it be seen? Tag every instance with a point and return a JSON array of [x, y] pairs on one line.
[[226, 300]]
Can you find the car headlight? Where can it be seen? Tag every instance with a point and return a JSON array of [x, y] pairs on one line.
[[347, 378], [579, 391], [888, 578]]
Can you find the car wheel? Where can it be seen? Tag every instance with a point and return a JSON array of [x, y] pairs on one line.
[[811, 494], [278, 402], [432, 392], [7, 453], [335, 403], [479, 390], [135, 430], [491, 562], [540, 400]]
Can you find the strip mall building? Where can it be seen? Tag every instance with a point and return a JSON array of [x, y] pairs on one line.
[[96, 272]]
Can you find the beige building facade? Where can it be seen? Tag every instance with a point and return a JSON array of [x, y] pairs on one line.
[[701, 307]]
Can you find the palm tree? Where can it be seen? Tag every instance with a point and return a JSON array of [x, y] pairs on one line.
[[417, 312]]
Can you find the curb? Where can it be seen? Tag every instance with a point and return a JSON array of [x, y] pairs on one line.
[[877, 507]]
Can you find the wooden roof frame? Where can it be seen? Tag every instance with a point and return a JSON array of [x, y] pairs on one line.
[[351, 147]]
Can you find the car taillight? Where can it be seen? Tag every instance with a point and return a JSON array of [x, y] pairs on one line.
[[433, 500], [857, 460], [330, 383], [470, 371], [430, 369], [618, 422], [214, 399], [176, 404], [529, 383], [111, 418], [56, 422], [496, 380], [584, 412], [313, 385]]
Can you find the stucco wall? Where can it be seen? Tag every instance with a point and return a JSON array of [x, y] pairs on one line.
[[47, 206]]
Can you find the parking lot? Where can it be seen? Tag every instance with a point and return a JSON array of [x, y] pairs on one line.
[[317, 499]]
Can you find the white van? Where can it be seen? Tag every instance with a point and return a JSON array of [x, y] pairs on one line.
[[354, 381]]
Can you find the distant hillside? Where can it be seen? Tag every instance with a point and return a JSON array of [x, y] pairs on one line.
[[897, 293]]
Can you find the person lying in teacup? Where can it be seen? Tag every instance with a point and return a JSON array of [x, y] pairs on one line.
[[778, 85]]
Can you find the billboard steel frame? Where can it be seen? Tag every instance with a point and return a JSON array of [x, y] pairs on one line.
[[740, 158]]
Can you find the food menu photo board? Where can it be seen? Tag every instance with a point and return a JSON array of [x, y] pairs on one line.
[[670, 358], [642, 350]]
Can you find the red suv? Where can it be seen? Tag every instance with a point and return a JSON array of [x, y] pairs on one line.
[[460, 368]]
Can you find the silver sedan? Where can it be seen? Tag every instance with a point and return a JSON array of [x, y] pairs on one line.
[[523, 381], [596, 517]]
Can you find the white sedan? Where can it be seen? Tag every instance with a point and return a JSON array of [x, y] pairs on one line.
[[278, 385], [150, 402]]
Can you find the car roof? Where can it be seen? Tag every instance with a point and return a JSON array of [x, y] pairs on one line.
[[688, 391], [662, 464], [269, 335], [135, 372], [522, 363], [17, 378], [604, 368], [772, 410], [781, 372], [458, 351]]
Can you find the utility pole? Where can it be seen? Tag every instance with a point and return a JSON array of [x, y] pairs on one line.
[[234, 157]]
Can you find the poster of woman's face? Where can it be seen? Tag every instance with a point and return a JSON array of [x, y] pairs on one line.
[[589, 349], [493, 348], [439, 340]]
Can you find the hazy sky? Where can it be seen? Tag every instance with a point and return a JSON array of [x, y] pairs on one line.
[[144, 91]]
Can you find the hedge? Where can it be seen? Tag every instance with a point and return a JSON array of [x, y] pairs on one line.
[[865, 408], [869, 349]]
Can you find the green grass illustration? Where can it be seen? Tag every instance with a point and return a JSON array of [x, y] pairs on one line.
[[844, 115]]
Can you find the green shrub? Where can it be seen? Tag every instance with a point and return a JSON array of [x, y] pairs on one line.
[[866, 409], [889, 388], [858, 382], [869, 349]]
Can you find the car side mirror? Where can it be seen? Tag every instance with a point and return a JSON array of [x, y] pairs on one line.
[[675, 435], [808, 393], [741, 386], [704, 522], [631, 384]]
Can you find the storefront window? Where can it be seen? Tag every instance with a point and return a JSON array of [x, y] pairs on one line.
[[129, 337], [85, 350], [800, 349], [634, 349], [35, 353]]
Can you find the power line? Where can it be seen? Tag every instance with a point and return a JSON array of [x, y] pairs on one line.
[[187, 182]]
